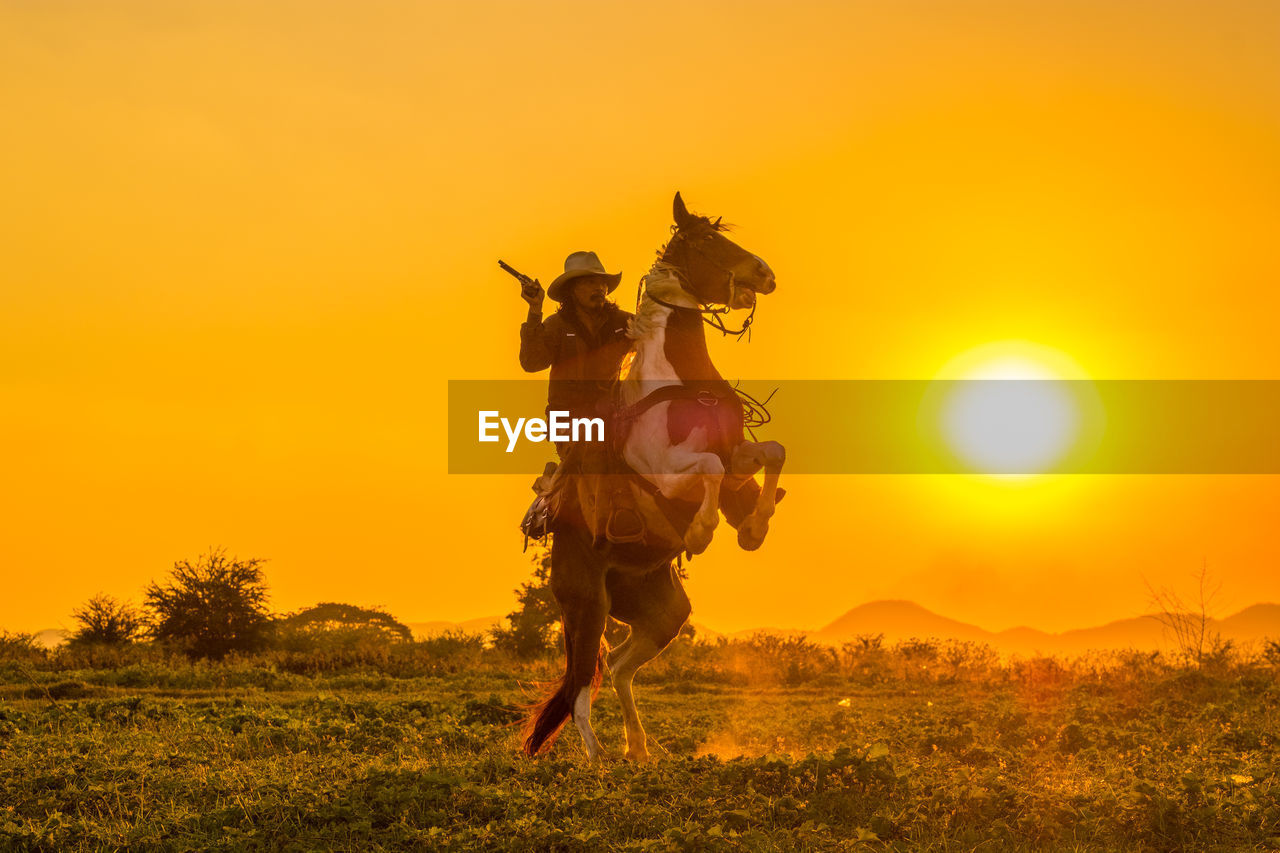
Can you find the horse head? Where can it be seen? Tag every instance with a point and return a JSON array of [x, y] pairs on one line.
[[715, 269]]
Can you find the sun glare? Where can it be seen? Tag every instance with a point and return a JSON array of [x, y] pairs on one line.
[[1005, 411]]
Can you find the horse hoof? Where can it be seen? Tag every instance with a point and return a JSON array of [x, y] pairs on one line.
[[695, 542], [639, 756], [747, 541]]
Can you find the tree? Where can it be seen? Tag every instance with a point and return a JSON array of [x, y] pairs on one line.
[[1191, 624], [334, 624], [108, 621], [531, 627], [212, 607]]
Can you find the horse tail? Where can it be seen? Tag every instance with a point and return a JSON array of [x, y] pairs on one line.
[[548, 716]]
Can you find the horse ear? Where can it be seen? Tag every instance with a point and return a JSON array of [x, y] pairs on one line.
[[681, 212]]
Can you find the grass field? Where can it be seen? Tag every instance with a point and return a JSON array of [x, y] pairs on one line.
[[1126, 753]]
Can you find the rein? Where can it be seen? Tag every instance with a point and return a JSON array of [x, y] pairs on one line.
[[755, 413], [711, 315]]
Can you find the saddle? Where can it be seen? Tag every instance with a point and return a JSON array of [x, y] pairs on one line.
[[609, 508]]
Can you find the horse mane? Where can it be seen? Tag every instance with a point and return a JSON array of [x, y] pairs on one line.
[[649, 314], [715, 225]]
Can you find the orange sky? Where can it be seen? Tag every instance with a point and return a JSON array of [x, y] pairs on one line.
[[245, 245]]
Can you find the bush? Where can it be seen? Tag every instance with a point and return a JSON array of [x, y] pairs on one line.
[[212, 607], [19, 647], [866, 659], [338, 626], [1271, 653], [532, 629], [105, 620], [98, 656]]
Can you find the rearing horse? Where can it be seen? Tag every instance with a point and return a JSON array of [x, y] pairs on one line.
[[683, 441]]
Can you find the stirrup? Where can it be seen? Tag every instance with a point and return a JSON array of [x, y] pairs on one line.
[[536, 523], [621, 537]]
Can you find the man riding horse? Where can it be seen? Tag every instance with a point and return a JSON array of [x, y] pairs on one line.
[[678, 452]]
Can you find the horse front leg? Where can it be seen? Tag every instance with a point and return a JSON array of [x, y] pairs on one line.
[[680, 470], [749, 457], [710, 471]]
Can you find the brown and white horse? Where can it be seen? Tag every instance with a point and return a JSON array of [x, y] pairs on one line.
[[684, 438]]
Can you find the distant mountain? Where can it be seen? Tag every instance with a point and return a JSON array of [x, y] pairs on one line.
[[1256, 621], [1023, 638], [51, 638], [901, 620], [1140, 632], [707, 635], [897, 620], [1146, 633], [426, 630]]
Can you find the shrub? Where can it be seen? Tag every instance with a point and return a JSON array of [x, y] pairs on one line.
[[15, 646], [105, 620], [338, 626], [1271, 653], [532, 629], [212, 607]]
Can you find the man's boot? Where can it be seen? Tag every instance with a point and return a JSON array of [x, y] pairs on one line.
[[536, 523]]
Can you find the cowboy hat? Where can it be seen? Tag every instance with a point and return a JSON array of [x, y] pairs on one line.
[[576, 266]]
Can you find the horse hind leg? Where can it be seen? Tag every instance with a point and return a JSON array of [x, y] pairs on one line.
[[644, 649], [585, 630], [584, 607], [656, 607]]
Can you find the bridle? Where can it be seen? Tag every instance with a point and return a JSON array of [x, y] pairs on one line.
[[710, 311], [755, 413]]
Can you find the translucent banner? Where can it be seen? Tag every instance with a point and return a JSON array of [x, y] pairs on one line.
[[993, 426]]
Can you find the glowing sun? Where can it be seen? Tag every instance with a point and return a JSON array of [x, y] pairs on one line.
[[1007, 408]]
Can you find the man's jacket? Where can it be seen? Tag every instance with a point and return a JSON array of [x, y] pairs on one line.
[[583, 365]]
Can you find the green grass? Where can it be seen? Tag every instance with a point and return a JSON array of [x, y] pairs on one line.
[[249, 757]]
